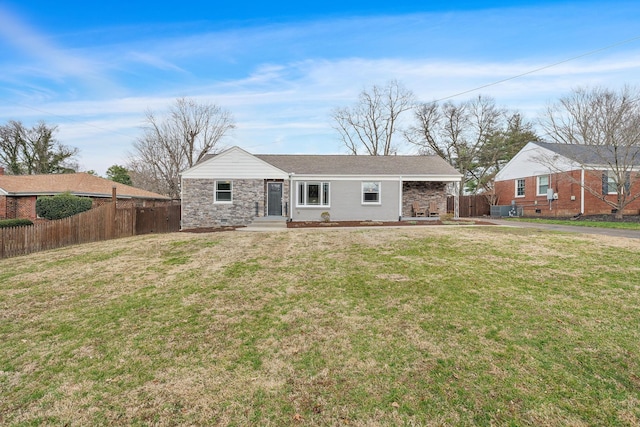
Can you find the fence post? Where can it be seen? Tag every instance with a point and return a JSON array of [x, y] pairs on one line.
[[114, 203]]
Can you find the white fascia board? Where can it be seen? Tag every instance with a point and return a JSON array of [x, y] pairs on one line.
[[433, 178], [426, 178], [3, 192], [594, 167]]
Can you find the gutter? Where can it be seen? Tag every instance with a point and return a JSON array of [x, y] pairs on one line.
[[97, 195]]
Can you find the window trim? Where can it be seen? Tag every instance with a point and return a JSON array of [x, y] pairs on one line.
[[379, 193], [524, 187], [538, 193], [325, 194], [216, 191], [611, 183]]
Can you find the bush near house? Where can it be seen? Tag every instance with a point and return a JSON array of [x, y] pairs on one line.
[[62, 206], [5, 223]]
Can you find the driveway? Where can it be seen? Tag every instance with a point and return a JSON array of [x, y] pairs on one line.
[[632, 234]]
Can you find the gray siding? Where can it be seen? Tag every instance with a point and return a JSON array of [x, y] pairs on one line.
[[346, 203]]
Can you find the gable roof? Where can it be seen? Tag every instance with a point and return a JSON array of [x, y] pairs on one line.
[[591, 154], [346, 165], [233, 163], [80, 184], [541, 158]]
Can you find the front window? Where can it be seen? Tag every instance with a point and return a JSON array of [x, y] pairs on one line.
[[371, 192], [520, 188], [223, 192], [313, 194], [543, 185]]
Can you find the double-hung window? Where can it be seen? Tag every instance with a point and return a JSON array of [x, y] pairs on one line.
[[223, 192], [519, 187], [610, 186], [313, 194], [371, 193], [543, 185]]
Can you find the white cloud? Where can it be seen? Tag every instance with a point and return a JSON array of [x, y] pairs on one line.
[[281, 81], [30, 42]]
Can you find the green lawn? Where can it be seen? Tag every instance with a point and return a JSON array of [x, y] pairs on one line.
[[409, 326], [583, 223]]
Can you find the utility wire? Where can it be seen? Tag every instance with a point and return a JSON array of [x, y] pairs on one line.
[[593, 52], [555, 64]]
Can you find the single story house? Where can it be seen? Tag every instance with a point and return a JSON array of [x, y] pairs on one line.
[[234, 187], [18, 193], [562, 180]]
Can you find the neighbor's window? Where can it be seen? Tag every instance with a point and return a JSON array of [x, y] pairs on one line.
[[313, 194], [609, 185], [371, 192], [519, 187], [543, 185], [223, 192]]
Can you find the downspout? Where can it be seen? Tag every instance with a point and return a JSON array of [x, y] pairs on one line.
[[456, 200], [291, 190], [400, 199], [582, 191]]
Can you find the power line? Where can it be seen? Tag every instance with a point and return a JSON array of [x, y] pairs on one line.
[[593, 52], [495, 83]]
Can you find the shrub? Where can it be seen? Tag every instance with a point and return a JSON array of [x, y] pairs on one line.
[[446, 217], [4, 223], [61, 206], [325, 216]]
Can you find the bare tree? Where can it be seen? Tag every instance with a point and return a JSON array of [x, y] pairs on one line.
[[605, 124], [370, 125], [512, 134], [475, 136], [35, 150], [175, 142]]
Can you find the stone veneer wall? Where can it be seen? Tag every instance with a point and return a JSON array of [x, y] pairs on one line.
[[199, 211], [423, 193]]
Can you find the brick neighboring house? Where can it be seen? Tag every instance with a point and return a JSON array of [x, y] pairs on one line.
[[235, 187], [549, 180], [18, 193]]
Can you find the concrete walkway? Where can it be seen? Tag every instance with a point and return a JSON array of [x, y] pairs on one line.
[[632, 234]]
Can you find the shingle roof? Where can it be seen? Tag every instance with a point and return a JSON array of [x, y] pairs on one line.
[[591, 154], [76, 183], [359, 165], [318, 164]]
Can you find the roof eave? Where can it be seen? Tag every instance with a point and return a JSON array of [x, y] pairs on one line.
[[393, 177], [80, 194]]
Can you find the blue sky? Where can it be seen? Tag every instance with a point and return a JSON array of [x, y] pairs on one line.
[[281, 68]]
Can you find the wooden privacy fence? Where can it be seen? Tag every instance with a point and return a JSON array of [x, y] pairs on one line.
[[470, 206], [101, 223]]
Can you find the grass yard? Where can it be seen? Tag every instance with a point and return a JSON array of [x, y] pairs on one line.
[[586, 222], [408, 326]]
